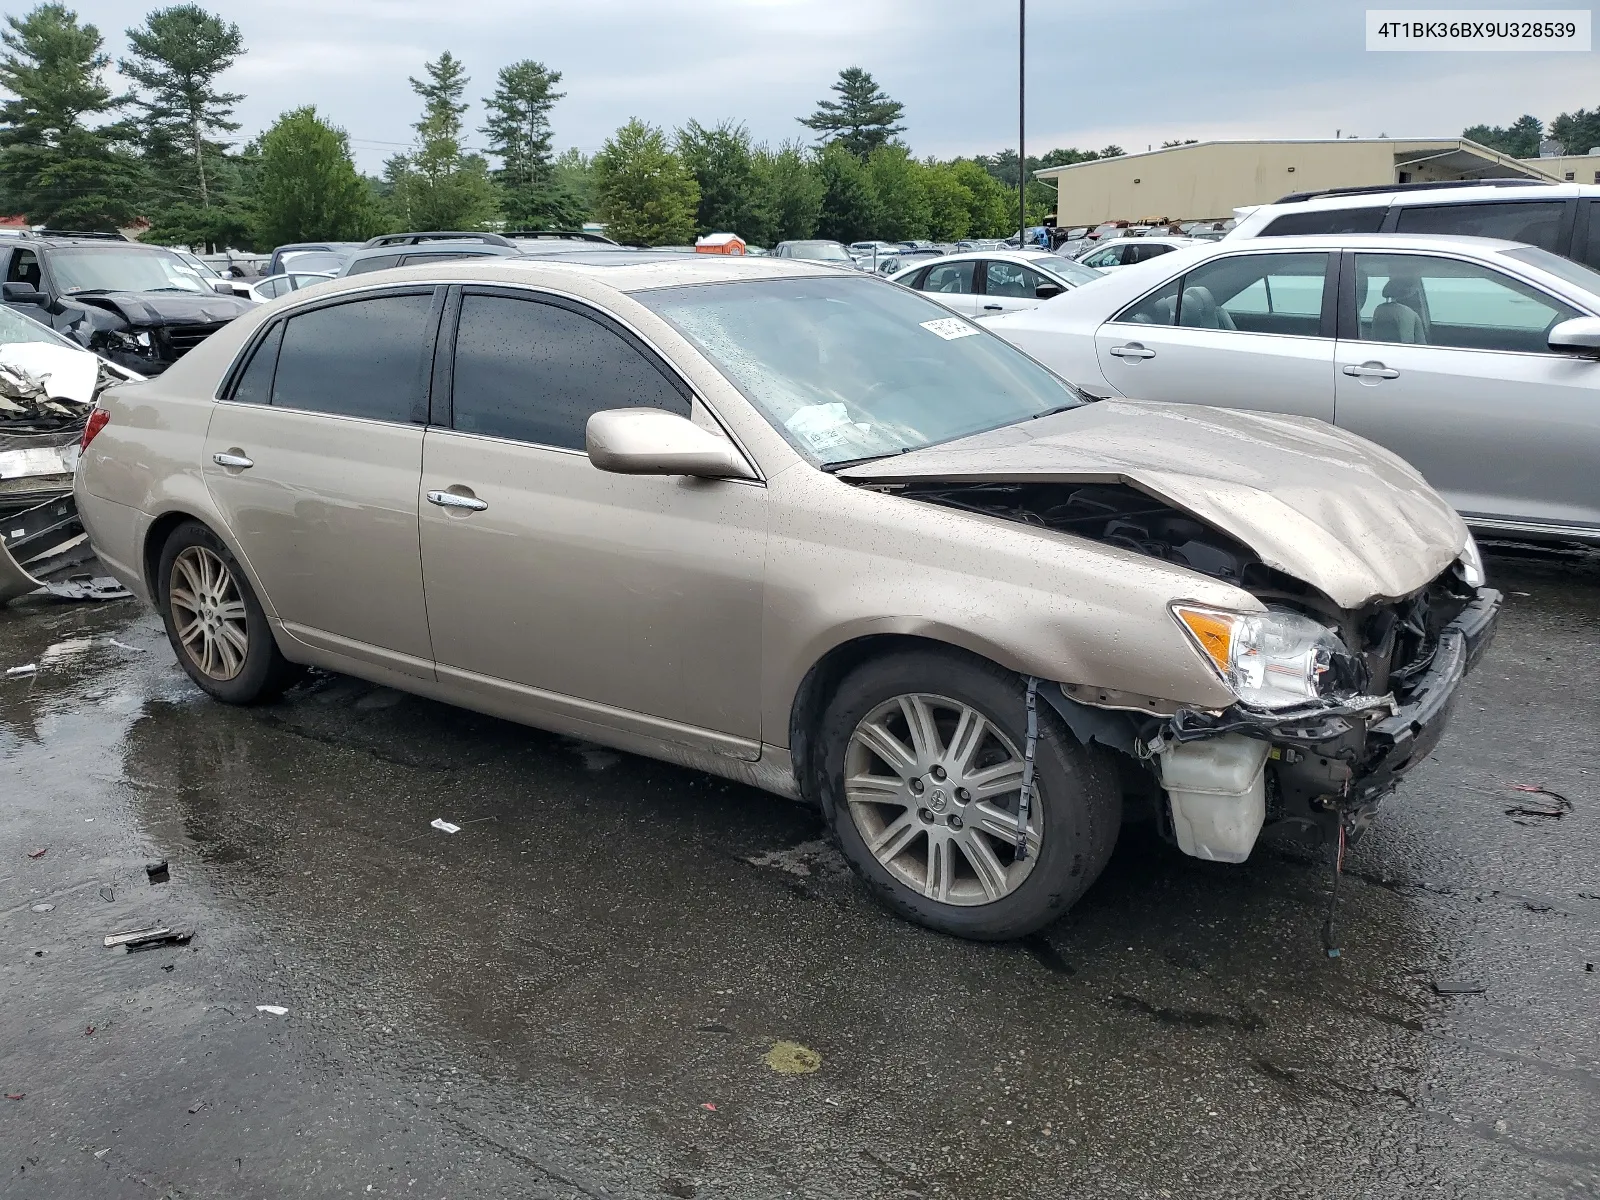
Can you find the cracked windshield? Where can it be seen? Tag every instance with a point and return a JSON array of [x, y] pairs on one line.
[[852, 369]]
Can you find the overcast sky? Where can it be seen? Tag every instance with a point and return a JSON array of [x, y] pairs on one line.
[[1134, 72]]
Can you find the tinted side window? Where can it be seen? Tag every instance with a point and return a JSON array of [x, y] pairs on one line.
[[1143, 252], [536, 372], [1327, 220], [1536, 222], [919, 279], [1111, 256], [1588, 251], [1010, 279], [362, 359], [1420, 300], [255, 381], [378, 262]]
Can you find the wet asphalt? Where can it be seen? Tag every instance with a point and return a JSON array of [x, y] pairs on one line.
[[580, 993]]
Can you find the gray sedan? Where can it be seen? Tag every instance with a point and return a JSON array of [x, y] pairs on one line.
[[1473, 359]]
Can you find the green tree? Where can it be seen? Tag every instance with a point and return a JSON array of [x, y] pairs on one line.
[[519, 133], [1520, 140], [573, 182], [177, 55], [722, 162], [849, 211], [792, 187], [306, 188], [439, 185], [862, 119], [1578, 132], [949, 202], [991, 206], [645, 194], [904, 211], [53, 167]]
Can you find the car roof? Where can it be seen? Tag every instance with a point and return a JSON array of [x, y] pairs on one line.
[[1451, 192]]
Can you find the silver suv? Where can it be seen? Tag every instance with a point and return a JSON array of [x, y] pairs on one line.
[[1563, 218]]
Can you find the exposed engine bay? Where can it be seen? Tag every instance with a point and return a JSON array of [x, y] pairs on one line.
[[1324, 764]]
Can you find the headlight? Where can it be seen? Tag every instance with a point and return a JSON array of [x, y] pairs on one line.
[[1472, 563], [1271, 660], [139, 343]]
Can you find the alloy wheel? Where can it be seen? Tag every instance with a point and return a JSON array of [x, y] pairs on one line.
[[933, 787], [208, 612]]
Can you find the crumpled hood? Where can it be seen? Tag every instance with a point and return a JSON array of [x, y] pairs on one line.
[[145, 309], [1331, 509]]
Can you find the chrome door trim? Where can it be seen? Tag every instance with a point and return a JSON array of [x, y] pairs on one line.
[[455, 500]]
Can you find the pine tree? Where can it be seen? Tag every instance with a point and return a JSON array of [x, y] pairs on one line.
[[176, 57], [862, 119], [792, 189], [849, 211], [646, 196], [53, 167], [306, 187], [723, 165], [519, 133], [439, 185], [1578, 132], [1520, 140]]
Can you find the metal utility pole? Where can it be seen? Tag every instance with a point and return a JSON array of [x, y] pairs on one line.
[[1022, 153]]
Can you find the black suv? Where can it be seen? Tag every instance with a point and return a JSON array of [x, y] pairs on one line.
[[142, 307]]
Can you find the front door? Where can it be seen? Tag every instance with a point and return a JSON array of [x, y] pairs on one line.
[[313, 461], [954, 284], [570, 589], [1447, 363], [1243, 331], [1009, 287]]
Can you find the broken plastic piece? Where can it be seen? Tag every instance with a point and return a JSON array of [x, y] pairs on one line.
[[88, 587], [709, 1107], [23, 671], [157, 871], [276, 1010], [156, 935], [444, 826], [43, 908], [39, 853], [1560, 808], [1457, 987], [15, 1095]]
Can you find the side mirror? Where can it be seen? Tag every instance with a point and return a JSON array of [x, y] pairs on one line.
[[1046, 290], [223, 287], [1581, 336], [648, 441], [23, 293]]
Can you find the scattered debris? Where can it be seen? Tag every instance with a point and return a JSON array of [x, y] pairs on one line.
[[111, 641], [1554, 811], [42, 908], [108, 894], [22, 672], [157, 871], [1457, 987], [39, 853], [791, 1058], [15, 1095], [156, 935], [1588, 967], [444, 826], [88, 1031], [102, 1153], [709, 1107], [169, 966], [87, 587], [276, 1010], [713, 1027], [196, 1106]]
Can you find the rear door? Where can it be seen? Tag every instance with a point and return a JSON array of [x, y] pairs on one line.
[[313, 460], [559, 588], [954, 284], [1446, 362], [1240, 331]]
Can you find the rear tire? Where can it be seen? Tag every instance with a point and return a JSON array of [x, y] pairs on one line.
[[214, 621], [973, 720]]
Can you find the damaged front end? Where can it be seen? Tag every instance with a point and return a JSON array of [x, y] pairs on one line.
[[1335, 704], [146, 333]]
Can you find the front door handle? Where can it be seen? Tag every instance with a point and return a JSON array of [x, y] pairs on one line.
[[237, 461], [994, 308], [1372, 370], [1132, 350], [456, 500]]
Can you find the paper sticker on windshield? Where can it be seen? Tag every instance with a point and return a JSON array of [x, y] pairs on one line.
[[950, 328]]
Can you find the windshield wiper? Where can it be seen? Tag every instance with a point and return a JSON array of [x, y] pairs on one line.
[[830, 468], [1060, 408]]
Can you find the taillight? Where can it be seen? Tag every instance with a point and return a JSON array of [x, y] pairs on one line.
[[98, 419]]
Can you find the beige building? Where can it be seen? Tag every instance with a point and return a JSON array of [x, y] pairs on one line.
[[1571, 168], [1208, 180]]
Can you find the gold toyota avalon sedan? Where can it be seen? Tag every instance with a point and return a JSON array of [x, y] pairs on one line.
[[806, 529]]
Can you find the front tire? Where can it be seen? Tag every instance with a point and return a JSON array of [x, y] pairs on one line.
[[921, 778], [214, 621]]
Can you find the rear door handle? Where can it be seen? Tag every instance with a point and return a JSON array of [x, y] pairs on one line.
[[455, 500], [1371, 370], [1132, 350], [994, 308], [237, 461]]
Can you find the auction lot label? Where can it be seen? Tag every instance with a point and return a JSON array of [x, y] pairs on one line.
[[1478, 29]]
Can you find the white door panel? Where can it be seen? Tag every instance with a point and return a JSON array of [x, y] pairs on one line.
[[1227, 368]]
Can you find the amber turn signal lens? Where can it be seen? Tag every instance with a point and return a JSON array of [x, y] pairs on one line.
[[1213, 632]]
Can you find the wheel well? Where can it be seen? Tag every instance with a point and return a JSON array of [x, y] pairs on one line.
[[160, 530], [820, 683]]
